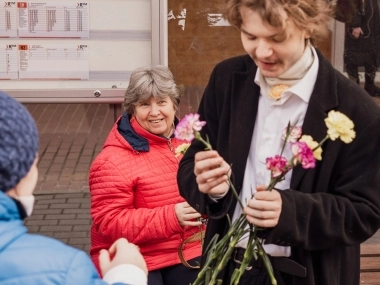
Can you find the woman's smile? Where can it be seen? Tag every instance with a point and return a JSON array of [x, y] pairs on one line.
[[155, 121]]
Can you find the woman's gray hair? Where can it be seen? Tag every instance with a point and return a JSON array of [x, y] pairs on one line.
[[145, 82]]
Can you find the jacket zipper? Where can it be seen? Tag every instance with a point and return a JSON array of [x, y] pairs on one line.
[[171, 148]]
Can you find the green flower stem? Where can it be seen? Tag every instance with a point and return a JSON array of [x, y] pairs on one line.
[[234, 192], [254, 246], [205, 274], [236, 232], [227, 246], [272, 183], [206, 270], [239, 223], [215, 257], [321, 142], [212, 243], [208, 275], [206, 143], [226, 257], [267, 263], [248, 254], [235, 275], [275, 180], [289, 129]]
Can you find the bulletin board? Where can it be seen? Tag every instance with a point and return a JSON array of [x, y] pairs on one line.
[[65, 51], [199, 37]]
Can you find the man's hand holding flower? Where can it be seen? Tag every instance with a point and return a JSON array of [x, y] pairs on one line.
[[264, 209], [212, 173]]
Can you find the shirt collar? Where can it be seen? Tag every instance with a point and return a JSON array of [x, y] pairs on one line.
[[302, 88]]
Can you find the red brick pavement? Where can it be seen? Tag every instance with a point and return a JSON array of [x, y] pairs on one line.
[[64, 216], [71, 135]]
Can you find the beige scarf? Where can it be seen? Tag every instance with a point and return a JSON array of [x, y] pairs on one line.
[[290, 77]]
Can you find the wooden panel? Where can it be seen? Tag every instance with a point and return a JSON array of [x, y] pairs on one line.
[[370, 278], [370, 249], [370, 263]]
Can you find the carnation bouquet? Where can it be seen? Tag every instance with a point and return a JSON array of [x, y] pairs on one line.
[[305, 152]]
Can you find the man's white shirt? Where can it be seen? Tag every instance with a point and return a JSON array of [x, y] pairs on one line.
[[272, 118]]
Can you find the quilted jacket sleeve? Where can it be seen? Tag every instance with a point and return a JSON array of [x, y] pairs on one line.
[[113, 211]]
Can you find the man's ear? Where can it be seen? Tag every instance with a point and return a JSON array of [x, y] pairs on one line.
[[308, 33]]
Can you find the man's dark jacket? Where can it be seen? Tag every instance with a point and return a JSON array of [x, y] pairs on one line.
[[331, 208]]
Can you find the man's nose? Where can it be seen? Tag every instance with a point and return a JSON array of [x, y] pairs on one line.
[[263, 50]]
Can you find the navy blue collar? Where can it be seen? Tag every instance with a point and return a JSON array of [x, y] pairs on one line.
[[137, 142]]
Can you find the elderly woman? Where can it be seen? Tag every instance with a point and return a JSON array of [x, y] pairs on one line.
[[134, 192]]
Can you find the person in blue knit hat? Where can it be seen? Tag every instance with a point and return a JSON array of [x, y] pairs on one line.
[[35, 259]]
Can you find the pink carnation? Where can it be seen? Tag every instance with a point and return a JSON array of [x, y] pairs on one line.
[[187, 126], [293, 136], [303, 154], [278, 165]]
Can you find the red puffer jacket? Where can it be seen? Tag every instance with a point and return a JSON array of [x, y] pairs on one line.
[[133, 194]]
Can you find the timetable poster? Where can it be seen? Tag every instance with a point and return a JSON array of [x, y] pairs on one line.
[[53, 62], [8, 62], [8, 20], [53, 20]]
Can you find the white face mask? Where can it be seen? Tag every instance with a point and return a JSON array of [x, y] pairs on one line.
[[27, 202]]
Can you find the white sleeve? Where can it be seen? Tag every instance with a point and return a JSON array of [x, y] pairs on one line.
[[126, 273], [217, 197]]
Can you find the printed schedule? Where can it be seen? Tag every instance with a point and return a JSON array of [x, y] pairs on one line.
[[8, 20], [8, 62], [53, 20], [53, 62]]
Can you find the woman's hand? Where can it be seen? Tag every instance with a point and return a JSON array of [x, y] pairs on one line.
[[187, 215]]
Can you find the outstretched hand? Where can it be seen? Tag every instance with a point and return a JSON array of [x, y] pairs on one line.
[[121, 252]]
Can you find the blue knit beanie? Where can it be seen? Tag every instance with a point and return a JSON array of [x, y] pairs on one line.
[[18, 142]]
